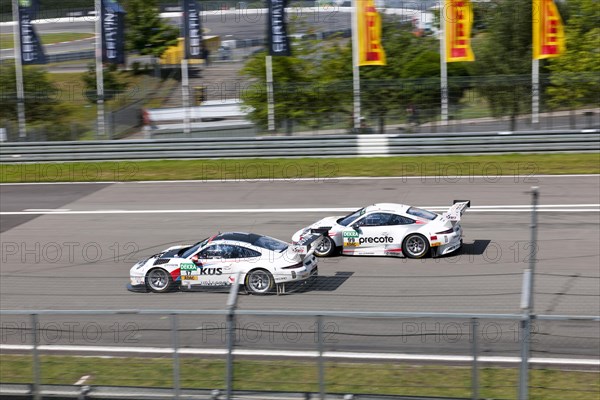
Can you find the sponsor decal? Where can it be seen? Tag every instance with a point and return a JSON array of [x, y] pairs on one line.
[[211, 271], [188, 267], [350, 242], [215, 283], [435, 244], [380, 239], [350, 234], [189, 277]]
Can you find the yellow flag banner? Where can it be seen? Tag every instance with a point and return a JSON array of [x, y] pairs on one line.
[[548, 30], [370, 51], [458, 16]]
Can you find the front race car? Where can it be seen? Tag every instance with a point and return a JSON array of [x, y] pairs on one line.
[[389, 229]]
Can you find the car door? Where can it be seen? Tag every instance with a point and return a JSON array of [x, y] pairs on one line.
[[213, 265], [369, 235]]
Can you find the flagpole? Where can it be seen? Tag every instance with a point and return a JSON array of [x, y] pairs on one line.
[[185, 95], [535, 92], [19, 73], [270, 95], [443, 65], [355, 67], [101, 131]]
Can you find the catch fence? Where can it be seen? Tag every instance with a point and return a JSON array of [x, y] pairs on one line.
[[320, 354]]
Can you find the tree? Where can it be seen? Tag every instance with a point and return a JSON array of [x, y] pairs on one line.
[[43, 109], [146, 32], [574, 79], [503, 54], [411, 76], [323, 69], [41, 104], [300, 92], [112, 85]]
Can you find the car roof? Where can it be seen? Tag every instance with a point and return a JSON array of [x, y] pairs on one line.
[[249, 238], [388, 207]]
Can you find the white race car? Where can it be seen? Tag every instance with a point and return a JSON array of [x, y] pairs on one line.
[[389, 229], [264, 264]]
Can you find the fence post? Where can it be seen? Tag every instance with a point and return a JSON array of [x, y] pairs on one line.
[[175, 341], [524, 369], [320, 360], [527, 301], [475, 370], [230, 334], [36, 359]]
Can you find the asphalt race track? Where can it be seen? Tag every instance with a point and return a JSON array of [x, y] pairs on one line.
[[81, 260]]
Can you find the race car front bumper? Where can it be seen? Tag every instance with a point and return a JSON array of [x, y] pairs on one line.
[[137, 288], [137, 284]]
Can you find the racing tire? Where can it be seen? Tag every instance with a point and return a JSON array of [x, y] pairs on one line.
[[259, 281], [159, 280], [326, 248], [415, 246]]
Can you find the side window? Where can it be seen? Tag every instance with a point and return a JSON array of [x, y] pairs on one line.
[[216, 251], [399, 220], [243, 252], [376, 219]]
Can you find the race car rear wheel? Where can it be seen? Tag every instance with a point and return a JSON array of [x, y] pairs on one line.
[[415, 246], [326, 248], [259, 281], [159, 280]]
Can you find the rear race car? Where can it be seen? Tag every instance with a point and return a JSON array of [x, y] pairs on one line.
[[263, 264]]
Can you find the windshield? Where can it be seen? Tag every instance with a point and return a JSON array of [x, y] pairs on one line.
[[418, 212], [193, 249], [350, 218], [270, 243]]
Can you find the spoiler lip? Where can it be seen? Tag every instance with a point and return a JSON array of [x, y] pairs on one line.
[[463, 201], [307, 245]]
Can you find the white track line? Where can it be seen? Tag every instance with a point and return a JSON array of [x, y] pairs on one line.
[[594, 208], [302, 354], [447, 179]]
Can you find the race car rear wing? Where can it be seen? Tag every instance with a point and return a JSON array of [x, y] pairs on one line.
[[457, 210], [307, 245]]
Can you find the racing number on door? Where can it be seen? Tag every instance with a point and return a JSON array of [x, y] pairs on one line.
[[350, 239]]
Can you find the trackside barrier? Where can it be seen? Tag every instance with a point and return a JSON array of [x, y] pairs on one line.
[[304, 146], [415, 338]]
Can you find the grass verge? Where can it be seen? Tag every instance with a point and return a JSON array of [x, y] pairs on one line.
[[384, 378], [448, 167], [6, 39]]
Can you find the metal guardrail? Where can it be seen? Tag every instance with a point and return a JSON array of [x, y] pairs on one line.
[[304, 146]]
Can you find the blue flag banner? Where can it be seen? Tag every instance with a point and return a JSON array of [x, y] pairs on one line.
[[277, 38], [32, 51], [113, 32], [192, 29]]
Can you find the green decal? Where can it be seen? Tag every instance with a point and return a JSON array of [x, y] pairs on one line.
[[350, 234], [187, 267]]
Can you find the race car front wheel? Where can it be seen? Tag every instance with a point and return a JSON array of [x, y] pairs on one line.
[[159, 280], [326, 248], [415, 246], [259, 281]]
